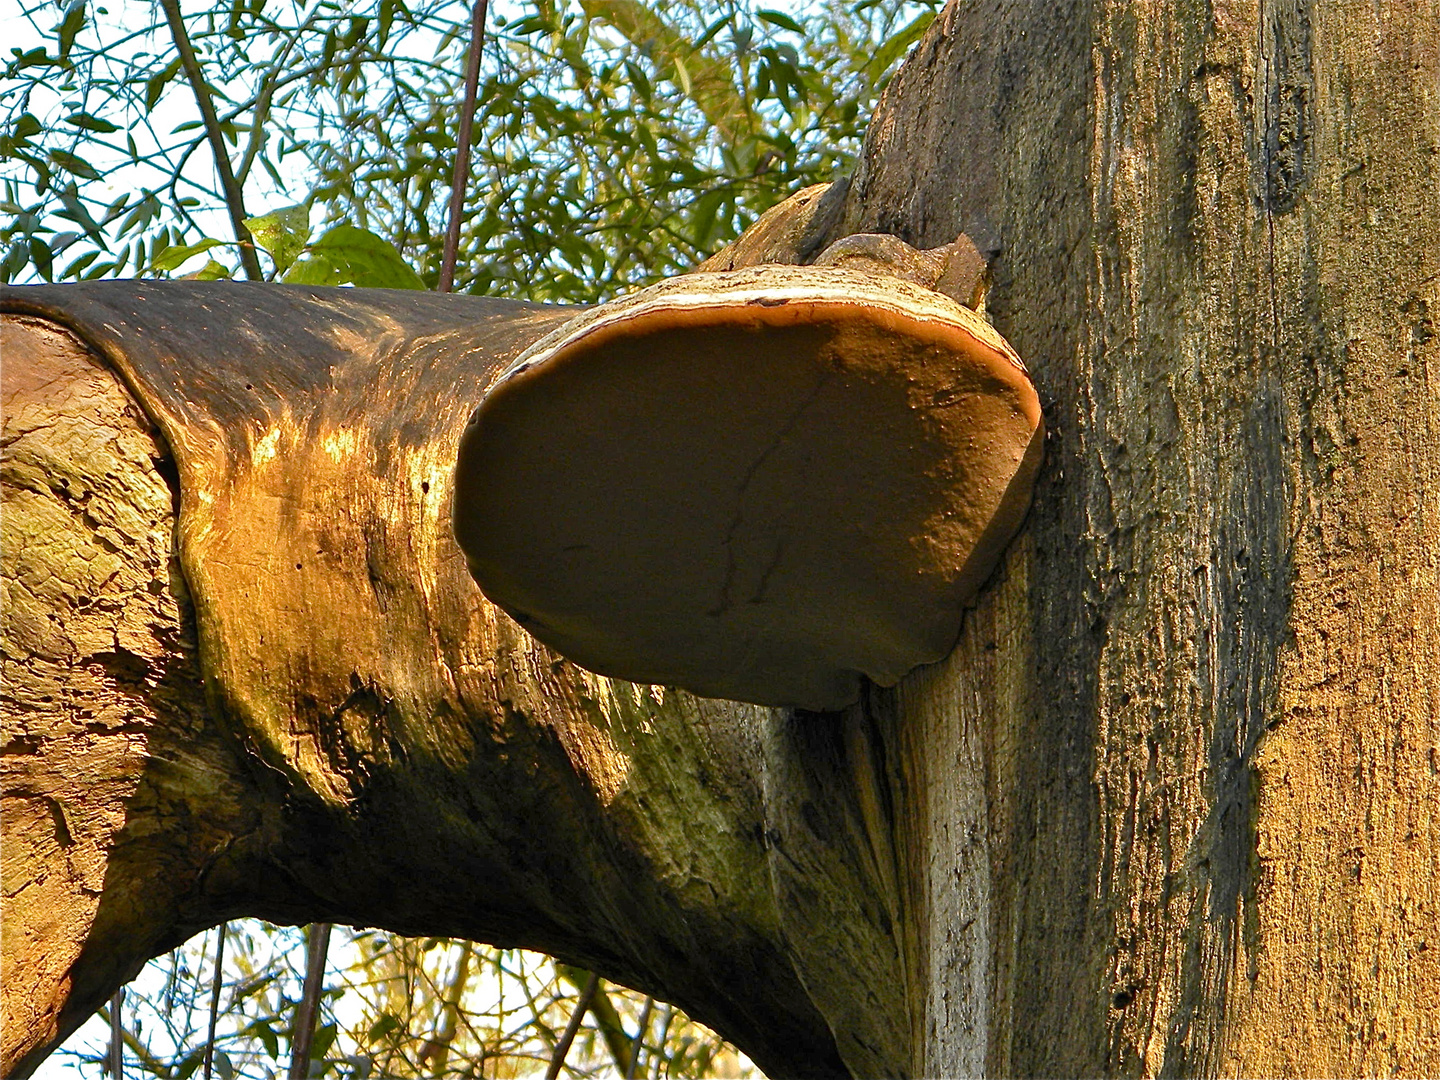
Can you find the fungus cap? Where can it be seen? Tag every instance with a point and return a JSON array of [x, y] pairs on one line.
[[760, 484]]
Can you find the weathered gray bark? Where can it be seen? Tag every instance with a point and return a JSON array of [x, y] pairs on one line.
[[1172, 807], [1205, 693]]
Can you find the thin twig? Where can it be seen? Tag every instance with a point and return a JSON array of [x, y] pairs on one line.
[[116, 1065], [462, 150], [582, 1006], [215, 1000], [632, 1069], [234, 200], [309, 1007], [268, 86], [667, 1015], [438, 1048], [148, 1061]]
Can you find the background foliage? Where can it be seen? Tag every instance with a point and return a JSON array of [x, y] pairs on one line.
[[392, 1007], [617, 142]]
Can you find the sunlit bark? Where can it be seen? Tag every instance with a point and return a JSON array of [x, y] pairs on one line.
[[1171, 807]]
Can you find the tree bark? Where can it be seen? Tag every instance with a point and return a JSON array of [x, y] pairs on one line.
[[126, 813], [1172, 807], [402, 754], [1204, 695]]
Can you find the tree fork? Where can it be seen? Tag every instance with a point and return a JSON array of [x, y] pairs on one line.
[[1170, 807], [350, 802]]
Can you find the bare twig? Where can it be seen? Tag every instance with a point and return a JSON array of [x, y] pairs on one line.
[[557, 1059], [437, 1049], [215, 1001], [309, 1007], [234, 200], [148, 1061], [667, 1016], [632, 1070], [607, 1019], [115, 1066], [272, 81], [462, 149]]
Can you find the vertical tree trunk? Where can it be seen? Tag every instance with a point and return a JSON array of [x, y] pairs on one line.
[[1173, 805]]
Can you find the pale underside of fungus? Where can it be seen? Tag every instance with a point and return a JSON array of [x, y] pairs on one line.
[[764, 484]]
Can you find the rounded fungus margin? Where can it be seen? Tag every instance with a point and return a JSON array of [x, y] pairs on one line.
[[760, 484]]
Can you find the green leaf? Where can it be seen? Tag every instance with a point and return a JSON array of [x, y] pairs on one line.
[[358, 26], [74, 164], [145, 212], [211, 271], [638, 80], [262, 1030], [780, 19], [155, 84], [387, 17], [36, 57], [530, 24], [898, 44], [171, 257], [710, 32], [24, 127], [703, 213], [40, 257], [15, 260], [321, 1041], [70, 26], [116, 208], [77, 212], [347, 255], [383, 1026], [251, 987], [76, 268], [282, 234], [87, 122]]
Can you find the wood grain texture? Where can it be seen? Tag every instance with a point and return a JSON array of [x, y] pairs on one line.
[[1172, 807], [83, 627], [1208, 679]]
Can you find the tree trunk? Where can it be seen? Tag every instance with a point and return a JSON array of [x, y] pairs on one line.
[[1204, 695], [1171, 807]]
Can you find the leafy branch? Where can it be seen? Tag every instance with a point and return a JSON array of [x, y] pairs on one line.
[[234, 198]]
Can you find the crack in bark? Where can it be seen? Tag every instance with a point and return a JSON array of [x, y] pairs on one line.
[[731, 566]]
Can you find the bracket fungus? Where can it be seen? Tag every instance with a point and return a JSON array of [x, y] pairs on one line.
[[759, 484]]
